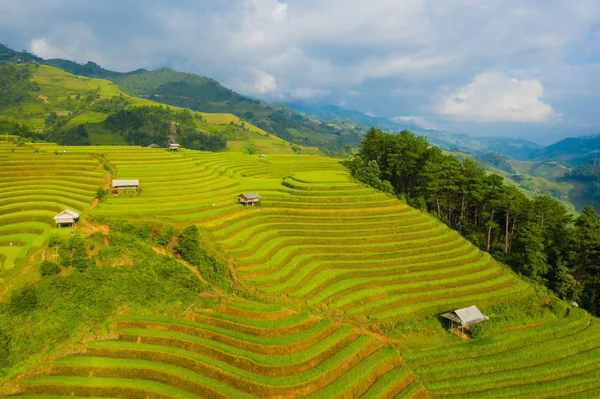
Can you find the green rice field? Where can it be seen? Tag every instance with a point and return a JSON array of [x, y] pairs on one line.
[[316, 241], [238, 350], [34, 187], [317, 237]]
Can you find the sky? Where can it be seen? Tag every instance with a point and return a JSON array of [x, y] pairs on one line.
[[527, 69]]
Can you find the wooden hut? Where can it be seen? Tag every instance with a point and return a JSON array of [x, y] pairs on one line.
[[66, 218], [248, 198], [174, 147], [119, 185], [461, 319]]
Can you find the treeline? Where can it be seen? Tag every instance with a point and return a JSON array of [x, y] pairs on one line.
[[158, 125], [15, 85], [537, 237]]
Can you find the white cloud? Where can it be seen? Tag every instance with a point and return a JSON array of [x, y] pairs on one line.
[[44, 49], [417, 120], [404, 65], [494, 97], [265, 83], [305, 93]]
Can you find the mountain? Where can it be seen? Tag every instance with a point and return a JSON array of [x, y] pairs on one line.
[[40, 101], [9, 55], [573, 150], [205, 95], [507, 146]]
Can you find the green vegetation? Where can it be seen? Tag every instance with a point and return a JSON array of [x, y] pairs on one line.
[[51, 104], [15, 85], [44, 315], [536, 237], [180, 291], [182, 359], [207, 95]]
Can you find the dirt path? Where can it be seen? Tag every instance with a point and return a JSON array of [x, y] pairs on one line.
[[191, 268]]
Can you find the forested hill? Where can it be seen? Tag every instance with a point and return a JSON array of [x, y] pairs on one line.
[[206, 95], [574, 151], [537, 236]]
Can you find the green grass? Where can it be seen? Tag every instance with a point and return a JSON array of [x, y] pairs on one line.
[[184, 363]]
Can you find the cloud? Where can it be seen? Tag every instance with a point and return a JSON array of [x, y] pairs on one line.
[[494, 97], [397, 54], [304, 93], [265, 83], [403, 65], [417, 120]]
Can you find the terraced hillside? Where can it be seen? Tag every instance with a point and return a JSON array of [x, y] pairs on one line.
[[243, 350], [558, 358], [317, 236], [34, 187]]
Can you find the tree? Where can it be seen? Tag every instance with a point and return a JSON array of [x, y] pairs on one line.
[[587, 235], [48, 268], [528, 255]]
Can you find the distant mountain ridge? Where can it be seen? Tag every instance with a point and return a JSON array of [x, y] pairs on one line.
[[575, 151], [507, 146], [328, 126]]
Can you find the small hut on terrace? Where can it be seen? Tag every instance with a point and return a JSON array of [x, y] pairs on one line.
[[461, 319], [174, 147], [118, 185], [248, 198], [66, 217]]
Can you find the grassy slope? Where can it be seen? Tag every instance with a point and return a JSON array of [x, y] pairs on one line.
[[200, 93], [320, 241], [283, 354], [59, 90]]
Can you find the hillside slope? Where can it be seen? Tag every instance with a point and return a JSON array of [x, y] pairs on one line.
[[206, 95], [63, 102], [233, 350], [323, 243]]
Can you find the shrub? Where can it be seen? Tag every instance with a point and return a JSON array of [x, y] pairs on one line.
[[48, 268], [102, 194], [81, 264], [164, 237], [189, 248], [54, 240], [478, 331], [24, 300]]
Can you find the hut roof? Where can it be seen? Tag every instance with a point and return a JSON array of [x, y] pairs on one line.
[[466, 316], [174, 145], [250, 196], [125, 183], [67, 213]]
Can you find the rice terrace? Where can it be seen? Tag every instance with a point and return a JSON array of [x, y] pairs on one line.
[[162, 236]]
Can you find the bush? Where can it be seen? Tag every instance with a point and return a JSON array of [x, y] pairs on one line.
[[24, 300], [478, 331], [164, 237], [48, 268], [189, 248], [102, 194], [81, 264]]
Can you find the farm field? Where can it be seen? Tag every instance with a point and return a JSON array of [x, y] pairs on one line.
[[553, 358], [317, 237], [320, 243], [34, 188], [238, 350]]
